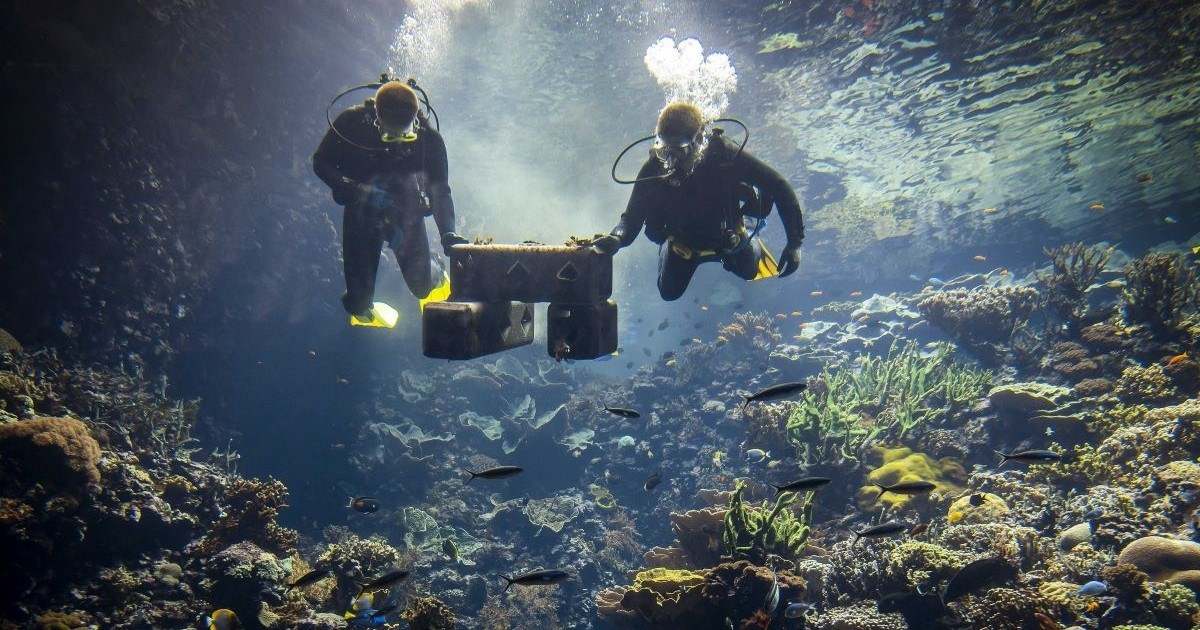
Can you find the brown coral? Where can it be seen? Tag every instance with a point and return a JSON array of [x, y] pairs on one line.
[[57, 454], [251, 507], [1125, 581], [429, 613], [1161, 291], [977, 316], [1075, 267]]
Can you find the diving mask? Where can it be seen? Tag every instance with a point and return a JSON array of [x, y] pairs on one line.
[[408, 134], [678, 154]]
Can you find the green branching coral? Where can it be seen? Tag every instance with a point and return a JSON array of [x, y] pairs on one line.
[[753, 533], [1161, 291], [1075, 267], [881, 398]]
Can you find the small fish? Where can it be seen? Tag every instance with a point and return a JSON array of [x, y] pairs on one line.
[[774, 392], [756, 455], [664, 324], [312, 577], [670, 363], [363, 505], [918, 529], [624, 413], [312, 353], [1030, 457], [1179, 358], [342, 381], [910, 488], [797, 314], [704, 308], [499, 472], [545, 576], [816, 293], [856, 294], [795, 610], [652, 481], [450, 549], [1096, 207], [780, 316], [1196, 250], [771, 604], [977, 499], [1092, 589], [878, 531], [978, 575], [383, 581], [1145, 178], [802, 485], [991, 210], [222, 619], [980, 258]]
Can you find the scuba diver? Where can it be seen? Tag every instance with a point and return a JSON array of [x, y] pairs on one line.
[[693, 196], [386, 165]]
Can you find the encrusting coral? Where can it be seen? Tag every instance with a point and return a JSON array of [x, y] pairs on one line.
[[901, 464]]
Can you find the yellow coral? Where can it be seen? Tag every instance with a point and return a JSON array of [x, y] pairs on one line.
[[666, 580], [902, 464], [990, 509]]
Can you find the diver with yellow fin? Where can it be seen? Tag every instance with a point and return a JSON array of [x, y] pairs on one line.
[[694, 195], [386, 164]]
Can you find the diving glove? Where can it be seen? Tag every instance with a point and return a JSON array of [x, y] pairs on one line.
[[789, 259], [606, 244], [450, 239]]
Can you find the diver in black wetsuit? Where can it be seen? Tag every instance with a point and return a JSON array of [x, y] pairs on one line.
[[387, 166], [692, 195]]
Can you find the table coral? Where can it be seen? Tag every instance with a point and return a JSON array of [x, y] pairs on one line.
[[553, 513]]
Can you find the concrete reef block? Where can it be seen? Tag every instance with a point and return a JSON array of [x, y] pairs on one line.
[[465, 330], [581, 331], [529, 273]]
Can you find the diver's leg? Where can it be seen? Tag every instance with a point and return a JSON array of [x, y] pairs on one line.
[[361, 240], [675, 273], [413, 254], [744, 262]]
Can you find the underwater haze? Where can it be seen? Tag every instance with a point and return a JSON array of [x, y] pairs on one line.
[[974, 404]]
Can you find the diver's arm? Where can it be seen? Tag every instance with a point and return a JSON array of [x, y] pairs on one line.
[[754, 171], [330, 156], [438, 170], [641, 202]]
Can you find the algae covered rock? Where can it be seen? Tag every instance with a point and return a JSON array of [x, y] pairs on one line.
[[1165, 560], [1028, 397]]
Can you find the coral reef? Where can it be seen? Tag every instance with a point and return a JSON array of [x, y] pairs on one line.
[[881, 398], [980, 316], [251, 507], [1164, 560], [1074, 268], [902, 464], [754, 533], [428, 613], [1162, 291]]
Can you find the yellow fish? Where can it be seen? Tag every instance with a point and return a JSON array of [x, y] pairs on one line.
[[1097, 206], [223, 619], [856, 294]]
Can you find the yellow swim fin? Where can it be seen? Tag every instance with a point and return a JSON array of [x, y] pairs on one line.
[[440, 293], [380, 316], [767, 266]]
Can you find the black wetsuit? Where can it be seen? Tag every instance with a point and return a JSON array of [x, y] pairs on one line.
[[701, 213], [414, 173]]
